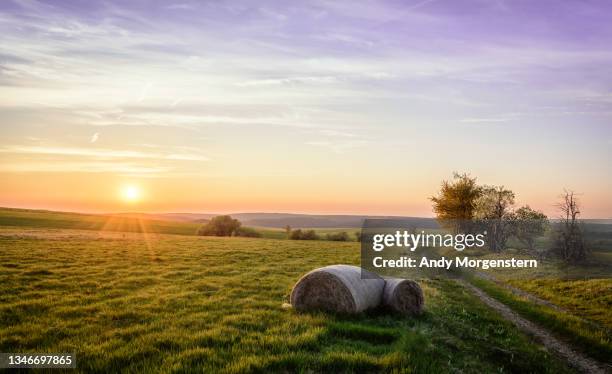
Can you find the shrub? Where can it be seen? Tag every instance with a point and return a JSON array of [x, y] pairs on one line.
[[303, 235], [338, 237], [309, 235], [296, 235]]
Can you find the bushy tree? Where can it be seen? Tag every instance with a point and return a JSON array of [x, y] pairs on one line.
[[493, 213], [455, 203], [220, 226], [529, 225]]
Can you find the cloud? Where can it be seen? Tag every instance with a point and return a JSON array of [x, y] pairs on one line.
[[480, 120], [176, 102], [145, 91], [100, 153], [122, 168], [286, 81], [181, 6], [338, 146]]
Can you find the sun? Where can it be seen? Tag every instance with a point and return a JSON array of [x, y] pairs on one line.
[[131, 193]]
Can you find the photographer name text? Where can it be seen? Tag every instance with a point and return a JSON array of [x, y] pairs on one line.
[[447, 263]]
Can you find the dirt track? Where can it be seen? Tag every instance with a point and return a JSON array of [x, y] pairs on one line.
[[574, 358]]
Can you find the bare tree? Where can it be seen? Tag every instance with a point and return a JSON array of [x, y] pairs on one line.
[[569, 237]]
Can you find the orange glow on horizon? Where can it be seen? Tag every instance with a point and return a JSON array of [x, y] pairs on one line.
[[89, 193]]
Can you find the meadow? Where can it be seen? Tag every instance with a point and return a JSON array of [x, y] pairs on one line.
[[95, 222], [139, 295], [170, 303], [130, 223]]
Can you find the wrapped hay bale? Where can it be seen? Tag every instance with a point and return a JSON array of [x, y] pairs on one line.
[[337, 288], [403, 296]]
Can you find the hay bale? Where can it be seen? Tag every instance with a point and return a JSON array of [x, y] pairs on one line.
[[404, 296], [337, 288]]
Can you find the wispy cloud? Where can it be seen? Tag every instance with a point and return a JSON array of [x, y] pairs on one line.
[[283, 81], [338, 146], [100, 153], [121, 168], [181, 6], [481, 120]]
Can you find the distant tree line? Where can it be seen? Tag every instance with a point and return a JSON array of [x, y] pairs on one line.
[[227, 226], [300, 234], [465, 207]]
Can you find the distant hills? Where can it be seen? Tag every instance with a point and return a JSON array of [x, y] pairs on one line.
[[269, 224], [280, 220]]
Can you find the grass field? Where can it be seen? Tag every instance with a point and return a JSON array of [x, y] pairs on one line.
[[121, 223], [572, 326], [590, 299], [580, 294], [65, 220], [170, 303]]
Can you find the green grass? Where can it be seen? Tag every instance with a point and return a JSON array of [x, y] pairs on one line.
[[591, 339], [97, 222], [588, 298], [169, 303], [119, 223]]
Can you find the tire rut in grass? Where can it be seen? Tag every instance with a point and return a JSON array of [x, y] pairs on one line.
[[535, 299], [575, 359]]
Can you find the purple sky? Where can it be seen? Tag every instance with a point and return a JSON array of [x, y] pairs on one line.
[[335, 94]]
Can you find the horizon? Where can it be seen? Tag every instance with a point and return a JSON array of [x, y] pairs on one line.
[[316, 107], [246, 212]]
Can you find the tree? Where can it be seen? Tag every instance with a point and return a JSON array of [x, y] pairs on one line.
[[493, 214], [529, 225], [456, 202], [569, 242], [220, 226]]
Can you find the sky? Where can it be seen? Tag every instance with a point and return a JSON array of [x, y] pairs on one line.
[[310, 106]]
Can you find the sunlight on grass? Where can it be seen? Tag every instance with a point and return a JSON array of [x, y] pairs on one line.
[[186, 303]]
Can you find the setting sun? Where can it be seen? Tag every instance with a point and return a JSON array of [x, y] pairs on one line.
[[131, 193]]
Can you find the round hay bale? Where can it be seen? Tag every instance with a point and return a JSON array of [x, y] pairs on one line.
[[337, 288], [404, 296]]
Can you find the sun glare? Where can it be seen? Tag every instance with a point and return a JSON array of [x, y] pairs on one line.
[[130, 193]]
